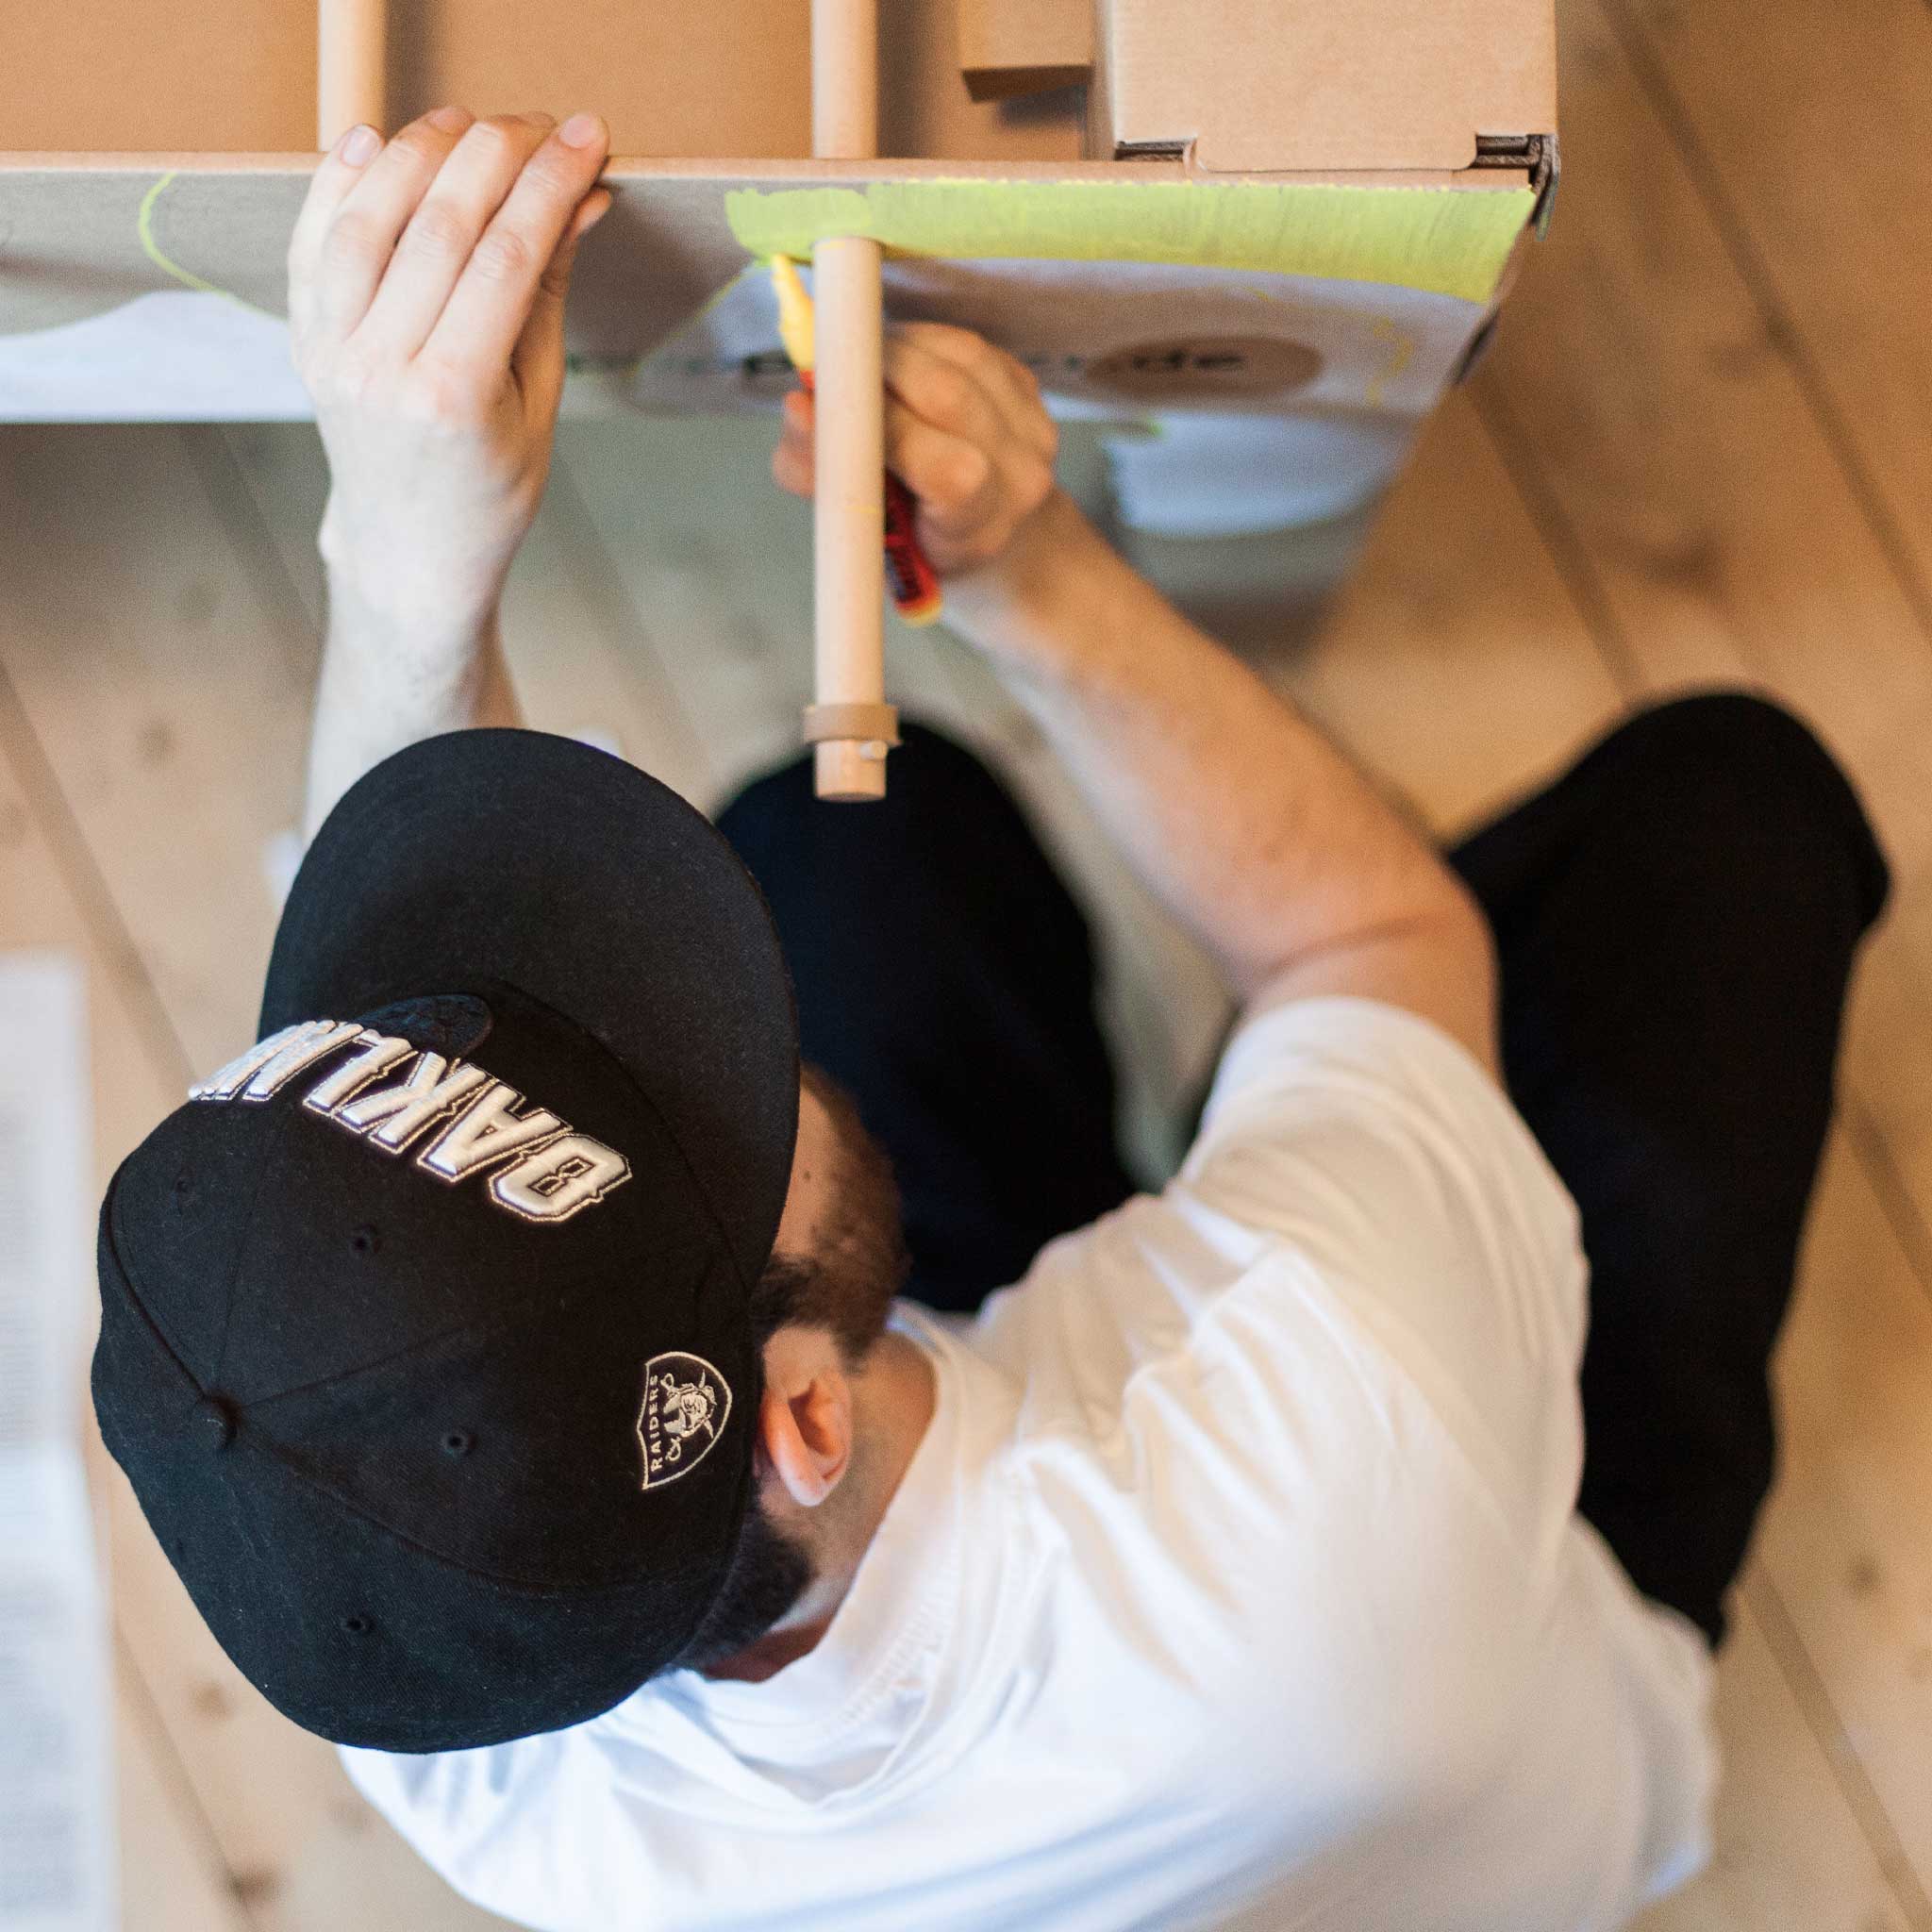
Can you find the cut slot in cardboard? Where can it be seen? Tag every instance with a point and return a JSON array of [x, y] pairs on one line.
[[1307, 83]]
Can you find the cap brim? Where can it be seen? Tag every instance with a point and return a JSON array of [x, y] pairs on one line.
[[526, 857]]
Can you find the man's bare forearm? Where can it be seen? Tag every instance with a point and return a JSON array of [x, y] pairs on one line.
[[1236, 811], [436, 373], [389, 677]]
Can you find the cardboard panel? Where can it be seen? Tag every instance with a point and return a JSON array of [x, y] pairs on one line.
[[84, 234], [926, 108], [234, 75], [117, 74], [1260, 85], [729, 78], [83, 241], [674, 78], [137, 294], [1254, 85], [1010, 47]]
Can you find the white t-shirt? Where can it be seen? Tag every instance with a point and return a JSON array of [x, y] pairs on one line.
[[1236, 1583]]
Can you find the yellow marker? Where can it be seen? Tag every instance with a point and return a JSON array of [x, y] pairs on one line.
[[796, 328]]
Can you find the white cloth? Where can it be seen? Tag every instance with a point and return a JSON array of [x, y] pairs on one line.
[[1235, 1583]]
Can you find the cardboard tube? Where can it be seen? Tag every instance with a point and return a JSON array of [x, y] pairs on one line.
[[848, 478], [351, 68], [844, 80], [848, 522]]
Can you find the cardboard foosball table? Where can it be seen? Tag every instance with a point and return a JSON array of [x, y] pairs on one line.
[[1280, 209]]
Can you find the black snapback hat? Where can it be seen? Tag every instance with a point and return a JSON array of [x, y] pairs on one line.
[[425, 1336]]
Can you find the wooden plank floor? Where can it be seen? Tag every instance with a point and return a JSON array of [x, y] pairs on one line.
[[1698, 452]]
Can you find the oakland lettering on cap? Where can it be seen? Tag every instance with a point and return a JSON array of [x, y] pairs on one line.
[[461, 1120]]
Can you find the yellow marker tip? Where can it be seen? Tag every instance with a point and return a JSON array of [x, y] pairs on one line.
[[795, 328]]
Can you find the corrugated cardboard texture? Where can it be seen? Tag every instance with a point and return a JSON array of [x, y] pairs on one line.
[[724, 79], [1255, 85], [1010, 47], [1293, 84], [240, 74]]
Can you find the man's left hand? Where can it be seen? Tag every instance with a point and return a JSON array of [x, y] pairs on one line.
[[426, 303]]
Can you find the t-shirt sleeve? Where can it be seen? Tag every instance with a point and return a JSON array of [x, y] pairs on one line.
[[1388, 1172]]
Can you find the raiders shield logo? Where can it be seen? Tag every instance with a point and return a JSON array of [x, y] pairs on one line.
[[686, 1407]]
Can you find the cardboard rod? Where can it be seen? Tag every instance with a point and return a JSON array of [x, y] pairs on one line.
[[848, 479], [351, 68]]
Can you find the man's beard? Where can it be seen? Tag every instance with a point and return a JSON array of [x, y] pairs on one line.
[[858, 1264]]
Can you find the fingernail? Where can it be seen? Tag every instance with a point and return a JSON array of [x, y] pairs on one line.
[[581, 130], [357, 144], [451, 120]]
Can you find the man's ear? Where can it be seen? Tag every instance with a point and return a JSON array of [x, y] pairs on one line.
[[808, 1417]]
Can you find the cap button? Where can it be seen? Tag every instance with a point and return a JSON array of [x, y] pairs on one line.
[[217, 1419]]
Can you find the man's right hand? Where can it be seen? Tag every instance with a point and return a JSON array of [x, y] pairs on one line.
[[966, 432], [1293, 873]]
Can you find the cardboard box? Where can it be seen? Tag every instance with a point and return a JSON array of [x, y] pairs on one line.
[[1007, 50], [1272, 208], [1314, 85]]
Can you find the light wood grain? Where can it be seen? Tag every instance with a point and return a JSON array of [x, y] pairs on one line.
[[169, 693], [173, 1878], [1660, 424], [1650, 399], [581, 658], [1787, 1849], [73, 873], [1808, 130], [1698, 453], [714, 561], [1844, 1541]]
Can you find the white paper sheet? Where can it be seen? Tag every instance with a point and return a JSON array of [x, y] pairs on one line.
[[58, 1867]]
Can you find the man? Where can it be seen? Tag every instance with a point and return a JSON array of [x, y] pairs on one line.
[[516, 1351]]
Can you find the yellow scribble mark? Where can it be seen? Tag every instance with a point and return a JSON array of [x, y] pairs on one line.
[[144, 228]]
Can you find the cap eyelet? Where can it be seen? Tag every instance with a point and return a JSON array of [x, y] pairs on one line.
[[355, 1625], [365, 1241], [458, 1443]]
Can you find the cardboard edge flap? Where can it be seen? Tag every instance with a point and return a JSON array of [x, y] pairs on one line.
[[1008, 48]]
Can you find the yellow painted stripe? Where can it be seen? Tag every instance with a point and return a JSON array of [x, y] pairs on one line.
[[1451, 242]]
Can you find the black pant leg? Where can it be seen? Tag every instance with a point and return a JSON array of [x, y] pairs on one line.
[[1676, 920], [946, 977]]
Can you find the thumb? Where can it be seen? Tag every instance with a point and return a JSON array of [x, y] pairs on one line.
[[538, 357]]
